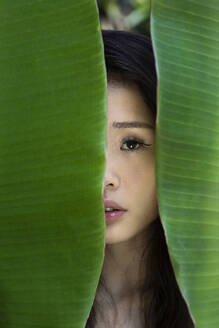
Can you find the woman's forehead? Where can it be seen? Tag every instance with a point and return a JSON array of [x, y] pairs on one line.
[[127, 103]]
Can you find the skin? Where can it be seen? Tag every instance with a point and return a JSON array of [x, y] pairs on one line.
[[130, 181]]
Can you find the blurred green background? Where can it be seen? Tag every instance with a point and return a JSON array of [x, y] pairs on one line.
[[128, 15]]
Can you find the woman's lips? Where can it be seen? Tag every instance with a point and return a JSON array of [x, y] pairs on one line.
[[113, 216], [112, 204]]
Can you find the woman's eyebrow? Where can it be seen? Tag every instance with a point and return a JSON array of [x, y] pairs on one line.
[[134, 124]]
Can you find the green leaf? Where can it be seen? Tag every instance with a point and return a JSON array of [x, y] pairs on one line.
[[52, 143], [186, 43]]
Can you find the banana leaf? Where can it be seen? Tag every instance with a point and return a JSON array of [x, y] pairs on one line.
[[186, 44], [52, 160]]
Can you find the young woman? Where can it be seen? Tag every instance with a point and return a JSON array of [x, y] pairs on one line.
[[137, 286]]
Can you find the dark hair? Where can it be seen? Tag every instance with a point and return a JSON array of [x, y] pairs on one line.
[[129, 58]]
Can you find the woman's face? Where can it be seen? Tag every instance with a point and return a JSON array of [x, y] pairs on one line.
[[130, 167]]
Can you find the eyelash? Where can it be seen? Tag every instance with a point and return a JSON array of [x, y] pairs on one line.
[[138, 141]]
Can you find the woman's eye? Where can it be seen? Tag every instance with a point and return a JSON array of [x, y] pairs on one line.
[[131, 144]]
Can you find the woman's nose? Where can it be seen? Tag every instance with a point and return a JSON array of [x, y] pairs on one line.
[[111, 179]]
